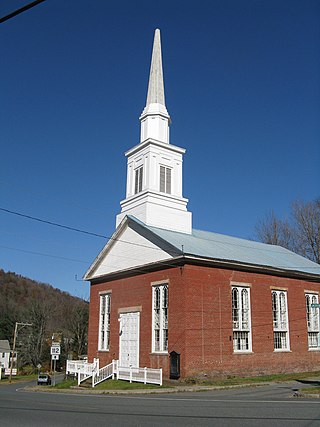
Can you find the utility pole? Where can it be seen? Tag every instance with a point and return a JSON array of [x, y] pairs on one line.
[[14, 343]]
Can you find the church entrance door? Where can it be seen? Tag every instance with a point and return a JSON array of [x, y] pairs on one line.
[[129, 339]]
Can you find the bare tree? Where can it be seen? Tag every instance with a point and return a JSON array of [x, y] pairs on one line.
[[301, 233], [306, 229], [78, 326], [33, 345], [274, 231]]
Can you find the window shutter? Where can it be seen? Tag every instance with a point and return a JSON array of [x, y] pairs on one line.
[[162, 179], [165, 180], [168, 181], [136, 181], [140, 179]]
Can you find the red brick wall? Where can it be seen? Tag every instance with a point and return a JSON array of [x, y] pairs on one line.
[[200, 324], [209, 347], [137, 292]]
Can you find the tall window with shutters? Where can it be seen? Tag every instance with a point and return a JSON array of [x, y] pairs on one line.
[[312, 321], [138, 180], [160, 318], [280, 321], [104, 322], [165, 180], [241, 319]]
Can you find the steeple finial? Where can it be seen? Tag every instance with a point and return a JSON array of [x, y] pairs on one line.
[[156, 87]]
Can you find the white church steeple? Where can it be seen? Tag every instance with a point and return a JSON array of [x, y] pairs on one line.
[[155, 119], [154, 169]]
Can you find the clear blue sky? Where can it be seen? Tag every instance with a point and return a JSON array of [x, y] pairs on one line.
[[242, 88]]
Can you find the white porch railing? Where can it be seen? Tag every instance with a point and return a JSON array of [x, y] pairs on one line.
[[104, 373], [142, 375], [85, 370]]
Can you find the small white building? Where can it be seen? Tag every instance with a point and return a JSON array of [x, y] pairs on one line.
[[4, 354]]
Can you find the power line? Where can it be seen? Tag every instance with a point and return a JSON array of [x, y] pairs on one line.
[[44, 254], [44, 221], [78, 230], [20, 10]]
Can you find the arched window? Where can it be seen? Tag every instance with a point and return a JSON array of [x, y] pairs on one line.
[[312, 314], [160, 318], [280, 320], [241, 319], [104, 323]]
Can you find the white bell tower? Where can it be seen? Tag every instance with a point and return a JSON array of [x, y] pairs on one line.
[[154, 168]]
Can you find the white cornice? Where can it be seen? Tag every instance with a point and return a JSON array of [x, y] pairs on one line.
[[157, 143]]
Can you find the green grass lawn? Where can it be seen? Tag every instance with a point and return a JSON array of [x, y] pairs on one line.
[[251, 380], [110, 385], [126, 385], [66, 384]]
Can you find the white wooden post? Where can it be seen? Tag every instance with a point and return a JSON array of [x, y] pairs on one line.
[[160, 376], [145, 375], [130, 373]]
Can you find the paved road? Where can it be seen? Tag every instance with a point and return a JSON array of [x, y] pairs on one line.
[[253, 406]]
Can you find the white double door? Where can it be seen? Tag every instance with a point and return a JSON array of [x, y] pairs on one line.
[[129, 339]]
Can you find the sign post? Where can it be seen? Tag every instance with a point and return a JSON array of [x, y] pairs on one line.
[[55, 354]]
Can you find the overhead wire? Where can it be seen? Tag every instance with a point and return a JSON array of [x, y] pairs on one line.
[[43, 254], [78, 230], [20, 10]]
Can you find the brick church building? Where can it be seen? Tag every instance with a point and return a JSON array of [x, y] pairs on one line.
[[192, 302]]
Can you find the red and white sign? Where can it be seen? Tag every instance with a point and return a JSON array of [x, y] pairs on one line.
[[7, 371]]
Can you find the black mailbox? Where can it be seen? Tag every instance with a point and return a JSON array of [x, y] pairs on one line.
[[174, 365]]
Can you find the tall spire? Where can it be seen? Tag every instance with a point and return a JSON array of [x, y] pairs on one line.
[[155, 119], [156, 87], [154, 168]]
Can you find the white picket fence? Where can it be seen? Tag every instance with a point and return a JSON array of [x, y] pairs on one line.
[[142, 375], [84, 370]]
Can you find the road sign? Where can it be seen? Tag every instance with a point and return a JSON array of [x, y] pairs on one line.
[[55, 349], [55, 356], [7, 371], [315, 305]]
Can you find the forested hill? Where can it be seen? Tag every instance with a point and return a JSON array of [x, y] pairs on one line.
[[48, 309]]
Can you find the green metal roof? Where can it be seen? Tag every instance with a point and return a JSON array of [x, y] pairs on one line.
[[216, 246]]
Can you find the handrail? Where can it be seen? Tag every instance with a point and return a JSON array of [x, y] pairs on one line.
[[85, 370], [104, 373]]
